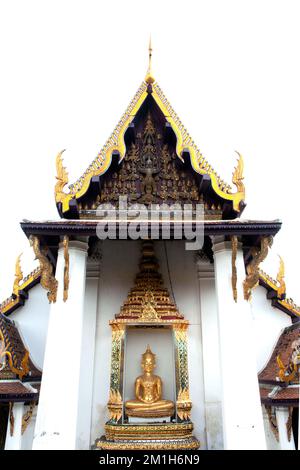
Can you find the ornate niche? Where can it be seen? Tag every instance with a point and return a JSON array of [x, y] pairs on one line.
[[150, 420]]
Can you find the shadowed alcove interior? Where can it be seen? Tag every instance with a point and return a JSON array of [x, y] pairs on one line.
[[161, 343]]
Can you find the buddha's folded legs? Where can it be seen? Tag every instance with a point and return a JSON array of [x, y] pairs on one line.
[[158, 405]]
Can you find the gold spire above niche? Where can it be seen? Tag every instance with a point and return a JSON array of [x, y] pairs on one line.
[[149, 300]]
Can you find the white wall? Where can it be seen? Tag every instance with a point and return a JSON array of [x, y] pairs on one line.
[[32, 320], [119, 266], [268, 323], [211, 356]]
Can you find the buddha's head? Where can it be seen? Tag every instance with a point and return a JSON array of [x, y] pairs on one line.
[[148, 360]]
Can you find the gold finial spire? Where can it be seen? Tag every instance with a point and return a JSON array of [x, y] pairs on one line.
[[149, 77]]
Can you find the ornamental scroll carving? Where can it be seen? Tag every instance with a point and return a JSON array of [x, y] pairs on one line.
[[258, 256], [48, 281], [18, 276], [27, 417], [62, 179], [150, 173], [291, 372]]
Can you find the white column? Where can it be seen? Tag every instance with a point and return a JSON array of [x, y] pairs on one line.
[[57, 418], [282, 416], [241, 407], [211, 354], [88, 352], [14, 442]]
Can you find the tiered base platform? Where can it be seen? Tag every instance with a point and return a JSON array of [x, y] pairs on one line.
[[165, 436]]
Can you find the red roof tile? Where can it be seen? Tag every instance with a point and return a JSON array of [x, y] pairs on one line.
[[15, 389], [283, 348]]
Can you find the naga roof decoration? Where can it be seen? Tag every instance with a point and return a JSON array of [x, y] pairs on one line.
[[15, 360], [14, 391], [20, 289], [283, 365], [277, 291], [116, 147]]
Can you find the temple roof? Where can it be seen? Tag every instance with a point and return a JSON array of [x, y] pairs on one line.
[[277, 396], [14, 390], [276, 293], [20, 292], [172, 142], [15, 358], [279, 369]]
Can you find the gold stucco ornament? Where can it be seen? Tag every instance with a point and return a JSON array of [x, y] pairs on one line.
[[48, 280], [258, 256], [18, 276], [62, 178]]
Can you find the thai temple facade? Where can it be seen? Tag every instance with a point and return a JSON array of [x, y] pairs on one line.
[[128, 335]]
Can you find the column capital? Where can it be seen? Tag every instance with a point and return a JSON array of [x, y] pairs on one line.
[[220, 244], [76, 245], [205, 269]]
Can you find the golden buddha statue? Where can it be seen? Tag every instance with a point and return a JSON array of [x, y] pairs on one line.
[[148, 392]]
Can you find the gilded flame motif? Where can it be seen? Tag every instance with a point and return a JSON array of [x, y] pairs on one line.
[[258, 256], [238, 175], [280, 279], [7, 353], [115, 405], [18, 276], [291, 372], [27, 417], [62, 178], [48, 281], [184, 404]]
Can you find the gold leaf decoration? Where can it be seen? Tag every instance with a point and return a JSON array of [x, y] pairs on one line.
[[238, 174], [48, 281], [18, 276], [280, 279], [258, 256], [62, 178]]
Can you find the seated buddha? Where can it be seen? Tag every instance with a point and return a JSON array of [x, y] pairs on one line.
[[148, 401]]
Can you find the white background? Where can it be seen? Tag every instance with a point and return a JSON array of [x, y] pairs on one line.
[[68, 70]]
